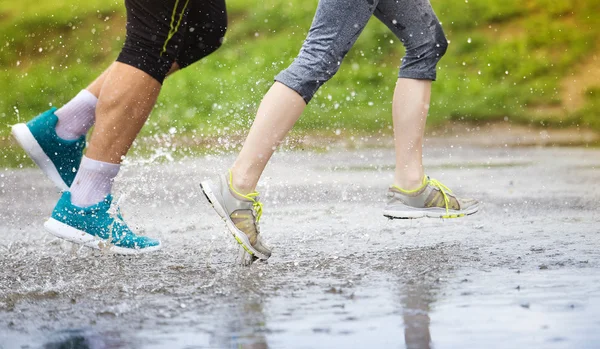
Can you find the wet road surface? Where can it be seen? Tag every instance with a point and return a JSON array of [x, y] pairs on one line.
[[521, 273]]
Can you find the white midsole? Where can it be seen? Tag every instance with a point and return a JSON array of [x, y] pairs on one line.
[[205, 186], [434, 212], [26, 140], [66, 232]]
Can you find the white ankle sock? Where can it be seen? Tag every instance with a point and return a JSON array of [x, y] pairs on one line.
[[77, 116], [93, 182]]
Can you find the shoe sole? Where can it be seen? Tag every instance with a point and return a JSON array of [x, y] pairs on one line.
[[239, 235], [414, 213], [26, 140], [80, 237]]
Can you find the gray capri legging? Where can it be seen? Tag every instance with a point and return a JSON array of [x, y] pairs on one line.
[[338, 23]]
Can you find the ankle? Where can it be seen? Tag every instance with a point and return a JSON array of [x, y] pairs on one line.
[[93, 182], [77, 116], [409, 182], [241, 183]]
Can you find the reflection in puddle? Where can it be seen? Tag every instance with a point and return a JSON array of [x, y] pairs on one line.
[[416, 301], [81, 339], [553, 309], [319, 318], [242, 327]]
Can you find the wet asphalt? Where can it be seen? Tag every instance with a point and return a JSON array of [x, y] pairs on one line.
[[521, 273]]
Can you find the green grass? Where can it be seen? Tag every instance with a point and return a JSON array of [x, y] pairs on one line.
[[505, 58]]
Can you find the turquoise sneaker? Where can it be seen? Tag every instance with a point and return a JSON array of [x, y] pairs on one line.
[[58, 158], [98, 226]]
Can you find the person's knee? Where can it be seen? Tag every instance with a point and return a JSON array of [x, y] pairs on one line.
[[146, 55], [306, 75], [423, 55], [439, 43]]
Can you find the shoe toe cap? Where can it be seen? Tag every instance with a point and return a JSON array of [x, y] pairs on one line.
[[466, 203], [145, 242], [262, 248], [138, 242]]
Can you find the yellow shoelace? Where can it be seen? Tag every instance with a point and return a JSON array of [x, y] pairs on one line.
[[442, 188], [257, 205]]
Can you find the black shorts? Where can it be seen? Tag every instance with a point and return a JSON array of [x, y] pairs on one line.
[[163, 32]]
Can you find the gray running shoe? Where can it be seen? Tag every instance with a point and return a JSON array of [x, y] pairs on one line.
[[240, 212], [432, 199]]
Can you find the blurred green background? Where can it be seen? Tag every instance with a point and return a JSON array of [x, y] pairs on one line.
[[525, 61]]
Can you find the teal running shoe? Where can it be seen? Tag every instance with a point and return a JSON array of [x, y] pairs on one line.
[[98, 226], [58, 158]]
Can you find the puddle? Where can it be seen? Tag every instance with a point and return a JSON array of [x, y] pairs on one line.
[[341, 277], [553, 309]]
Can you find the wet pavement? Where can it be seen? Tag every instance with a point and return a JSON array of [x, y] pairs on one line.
[[521, 273]]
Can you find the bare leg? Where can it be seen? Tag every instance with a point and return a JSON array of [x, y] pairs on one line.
[[96, 86], [409, 111], [126, 99], [278, 112], [281, 108]]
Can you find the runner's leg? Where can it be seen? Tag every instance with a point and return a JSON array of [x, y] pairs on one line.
[[133, 82], [335, 28], [416, 25], [412, 195], [77, 116], [83, 214]]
